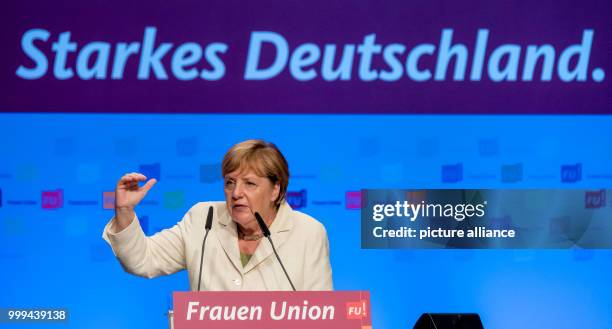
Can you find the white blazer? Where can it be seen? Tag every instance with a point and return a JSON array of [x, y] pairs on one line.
[[300, 240]]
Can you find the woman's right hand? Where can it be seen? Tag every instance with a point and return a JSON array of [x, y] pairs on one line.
[[127, 195]]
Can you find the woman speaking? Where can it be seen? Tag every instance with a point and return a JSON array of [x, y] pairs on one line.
[[236, 257]]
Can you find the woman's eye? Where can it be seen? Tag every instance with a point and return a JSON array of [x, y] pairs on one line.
[[251, 184], [229, 183]]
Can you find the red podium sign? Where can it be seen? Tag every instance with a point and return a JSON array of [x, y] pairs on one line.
[[272, 309]]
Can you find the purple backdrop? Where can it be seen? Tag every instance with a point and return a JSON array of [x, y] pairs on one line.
[[558, 23]]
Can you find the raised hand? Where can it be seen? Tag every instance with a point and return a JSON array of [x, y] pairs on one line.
[[127, 195]]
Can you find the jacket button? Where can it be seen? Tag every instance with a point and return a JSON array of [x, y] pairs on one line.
[[237, 282]]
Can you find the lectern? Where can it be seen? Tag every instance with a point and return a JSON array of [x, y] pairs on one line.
[[271, 310]]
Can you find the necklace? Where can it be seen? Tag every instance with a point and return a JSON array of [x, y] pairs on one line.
[[253, 237]]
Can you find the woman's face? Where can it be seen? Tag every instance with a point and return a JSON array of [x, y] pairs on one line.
[[247, 193]]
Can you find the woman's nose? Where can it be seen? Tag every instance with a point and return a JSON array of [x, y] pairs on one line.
[[237, 193]]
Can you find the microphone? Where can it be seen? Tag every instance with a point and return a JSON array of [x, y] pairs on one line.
[[266, 232], [207, 227], [262, 225]]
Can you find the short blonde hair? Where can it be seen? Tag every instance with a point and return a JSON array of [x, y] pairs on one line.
[[264, 158]]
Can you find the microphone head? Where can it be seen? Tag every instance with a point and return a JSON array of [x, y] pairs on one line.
[[209, 219], [262, 225]]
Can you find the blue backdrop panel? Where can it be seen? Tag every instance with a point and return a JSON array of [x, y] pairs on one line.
[[56, 257]]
